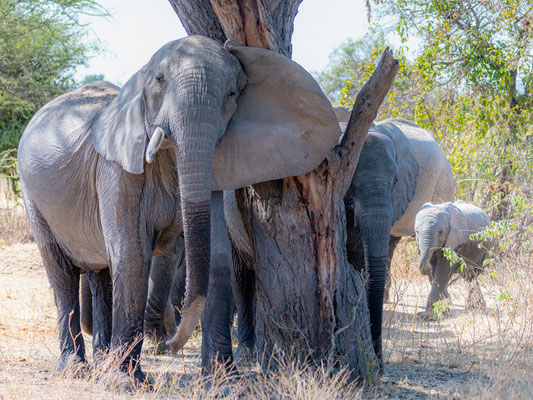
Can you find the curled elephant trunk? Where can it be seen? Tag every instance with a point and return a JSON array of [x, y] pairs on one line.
[[194, 155]]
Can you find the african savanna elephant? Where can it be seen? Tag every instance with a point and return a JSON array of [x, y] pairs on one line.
[[401, 166], [112, 176], [449, 225]]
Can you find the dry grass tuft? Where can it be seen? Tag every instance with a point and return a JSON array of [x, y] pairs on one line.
[[14, 225]]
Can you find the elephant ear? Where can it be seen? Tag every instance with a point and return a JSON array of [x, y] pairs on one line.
[[459, 228], [283, 126], [119, 133], [405, 187]]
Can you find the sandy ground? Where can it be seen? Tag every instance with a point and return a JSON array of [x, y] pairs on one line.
[[468, 355]]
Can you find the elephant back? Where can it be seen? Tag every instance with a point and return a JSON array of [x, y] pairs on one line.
[[59, 127]]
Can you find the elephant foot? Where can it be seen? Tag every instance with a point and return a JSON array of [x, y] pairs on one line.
[[428, 315], [160, 345], [72, 364], [226, 388]]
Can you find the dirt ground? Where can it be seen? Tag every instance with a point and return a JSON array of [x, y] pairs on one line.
[[467, 355]]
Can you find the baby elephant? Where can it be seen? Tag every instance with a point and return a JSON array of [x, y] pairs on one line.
[[450, 225]]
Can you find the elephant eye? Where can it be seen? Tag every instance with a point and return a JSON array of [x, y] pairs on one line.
[[440, 232], [395, 181], [231, 94], [160, 77]]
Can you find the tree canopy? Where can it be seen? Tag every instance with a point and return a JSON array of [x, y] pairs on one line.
[[468, 79], [41, 45]]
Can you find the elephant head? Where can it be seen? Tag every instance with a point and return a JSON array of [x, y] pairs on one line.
[[233, 116], [438, 226], [383, 184]]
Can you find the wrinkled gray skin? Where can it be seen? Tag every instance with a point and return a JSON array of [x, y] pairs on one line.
[[383, 184], [448, 225], [95, 205], [90, 213]]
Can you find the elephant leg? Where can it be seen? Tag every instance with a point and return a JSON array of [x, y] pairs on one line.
[[64, 279], [129, 248], [393, 242], [243, 284], [441, 273], [86, 305], [161, 278], [216, 328], [102, 306], [130, 288]]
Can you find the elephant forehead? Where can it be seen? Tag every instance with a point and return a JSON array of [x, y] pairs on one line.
[[193, 51], [378, 148], [431, 217]]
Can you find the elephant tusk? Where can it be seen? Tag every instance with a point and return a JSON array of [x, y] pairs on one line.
[[155, 143]]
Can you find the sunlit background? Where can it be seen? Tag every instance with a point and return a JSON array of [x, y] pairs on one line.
[[138, 28]]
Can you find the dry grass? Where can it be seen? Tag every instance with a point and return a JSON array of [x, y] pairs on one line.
[[468, 355], [14, 225]]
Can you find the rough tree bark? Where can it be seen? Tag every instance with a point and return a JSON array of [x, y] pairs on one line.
[[310, 301]]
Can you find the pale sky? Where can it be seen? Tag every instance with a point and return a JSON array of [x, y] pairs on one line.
[[139, 28]]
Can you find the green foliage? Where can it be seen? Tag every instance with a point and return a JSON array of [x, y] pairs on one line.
[[454, 258], [42, 42], [470, 83], [442, 308], [8, 169], [343, 65]]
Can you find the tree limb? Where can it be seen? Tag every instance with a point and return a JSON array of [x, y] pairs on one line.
[[344, 157]]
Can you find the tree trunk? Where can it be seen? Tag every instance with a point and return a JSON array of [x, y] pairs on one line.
[[311, 304]]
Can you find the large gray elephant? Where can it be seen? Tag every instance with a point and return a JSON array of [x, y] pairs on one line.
[[112, 176], [449, 225]]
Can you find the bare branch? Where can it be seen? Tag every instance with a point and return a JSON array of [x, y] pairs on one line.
[[364, 111]]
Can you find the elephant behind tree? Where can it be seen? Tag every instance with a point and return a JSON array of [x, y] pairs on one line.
[[400, 167], [111, 177], [450, 225]]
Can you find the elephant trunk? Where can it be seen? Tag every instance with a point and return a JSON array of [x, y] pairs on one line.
[[426, 249], [375, 226], [194, 154]]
